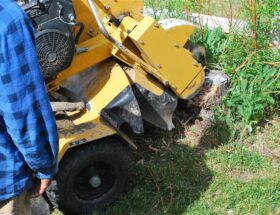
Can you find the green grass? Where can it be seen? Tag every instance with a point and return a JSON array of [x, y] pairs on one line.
[[215, 8], [194, 171], [186, 179], [197, 173]]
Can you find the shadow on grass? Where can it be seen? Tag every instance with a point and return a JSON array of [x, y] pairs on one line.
[[215, 133], [171, 173]]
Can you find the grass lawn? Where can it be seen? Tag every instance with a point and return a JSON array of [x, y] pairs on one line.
[[191, 173]]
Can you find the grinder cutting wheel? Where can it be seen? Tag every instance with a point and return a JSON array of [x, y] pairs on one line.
[[107, 66]]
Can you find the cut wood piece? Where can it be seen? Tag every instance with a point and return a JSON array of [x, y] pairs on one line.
[[67, 106]]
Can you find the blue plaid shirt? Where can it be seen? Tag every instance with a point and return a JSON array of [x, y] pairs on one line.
[[28, 133]]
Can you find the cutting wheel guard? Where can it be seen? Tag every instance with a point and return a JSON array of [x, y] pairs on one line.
[[136, 104]]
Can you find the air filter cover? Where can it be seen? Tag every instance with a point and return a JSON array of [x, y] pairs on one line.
[[55, 51]]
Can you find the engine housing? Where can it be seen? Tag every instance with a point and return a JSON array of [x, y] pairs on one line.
[[53, 21]]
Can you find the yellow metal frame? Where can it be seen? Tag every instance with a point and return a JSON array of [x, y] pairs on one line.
[[107, 80], [170, 65]]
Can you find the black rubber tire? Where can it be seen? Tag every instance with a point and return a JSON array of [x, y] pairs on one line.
[[111, 153]]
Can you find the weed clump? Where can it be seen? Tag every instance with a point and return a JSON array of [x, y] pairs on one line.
[[252, 62]]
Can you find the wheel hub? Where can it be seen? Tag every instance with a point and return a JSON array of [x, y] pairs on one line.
[[95, 181]]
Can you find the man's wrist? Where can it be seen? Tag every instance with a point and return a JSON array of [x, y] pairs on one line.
[[47, 173]]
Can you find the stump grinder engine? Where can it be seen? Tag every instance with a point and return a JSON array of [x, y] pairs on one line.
[[107, 69]]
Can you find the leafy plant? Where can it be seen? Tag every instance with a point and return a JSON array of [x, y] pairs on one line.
[[252, 64], [166, 9]]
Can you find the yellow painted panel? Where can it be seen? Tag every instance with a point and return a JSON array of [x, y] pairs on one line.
[[83, 133], [144, 80], [110, 7], [99, 49], [181, 33], [128, 24], [194, 87], [118, 7], [175, 64], [98, 86]]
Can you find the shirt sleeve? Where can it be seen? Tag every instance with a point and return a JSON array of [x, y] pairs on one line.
[[24, 103]]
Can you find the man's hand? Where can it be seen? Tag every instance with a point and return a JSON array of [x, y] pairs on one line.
[[39, 189]]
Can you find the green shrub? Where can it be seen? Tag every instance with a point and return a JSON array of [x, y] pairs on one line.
[[254, 73], [252, 64]]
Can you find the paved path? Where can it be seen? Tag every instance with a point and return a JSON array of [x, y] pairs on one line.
[[39, 207]]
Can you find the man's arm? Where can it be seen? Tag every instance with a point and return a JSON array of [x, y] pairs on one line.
[[24, 103]]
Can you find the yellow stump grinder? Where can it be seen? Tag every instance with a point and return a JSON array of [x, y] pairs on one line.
[[107, 67]]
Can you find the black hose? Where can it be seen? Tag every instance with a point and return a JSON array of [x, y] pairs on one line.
[[82, 27], [48, 201]]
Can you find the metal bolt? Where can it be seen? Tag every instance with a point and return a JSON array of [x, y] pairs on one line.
[[195, 63], [159, 66], [174, 87], [142, 42], [156, 25], [71, 17], [106, 7], [166, 83], [177, 46]]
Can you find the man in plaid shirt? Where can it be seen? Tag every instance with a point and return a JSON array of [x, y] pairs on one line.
[[28, 133]]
